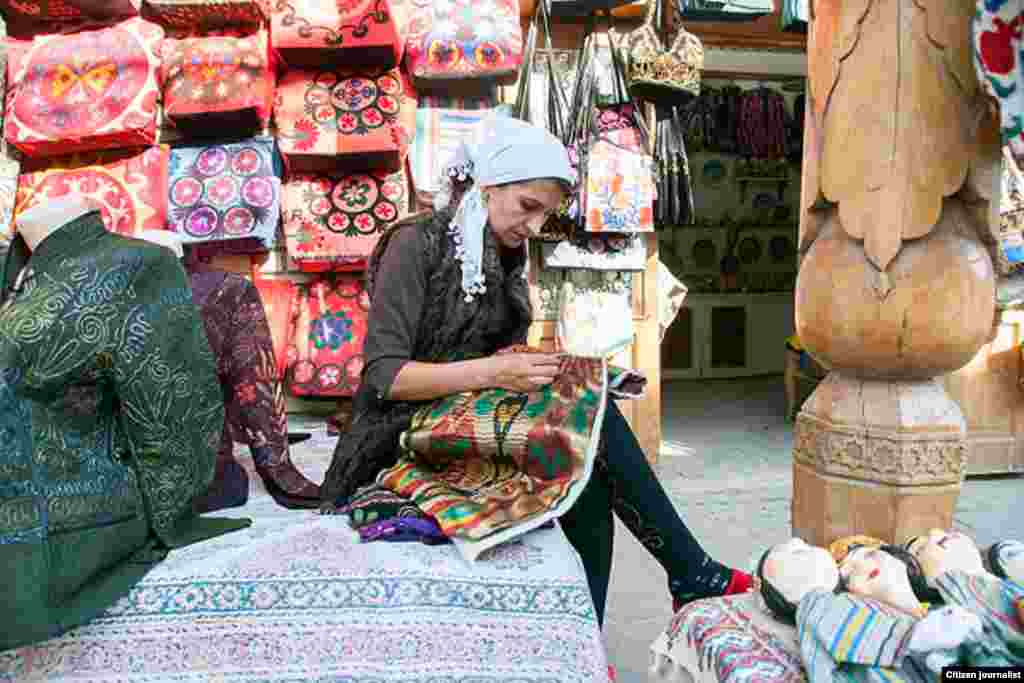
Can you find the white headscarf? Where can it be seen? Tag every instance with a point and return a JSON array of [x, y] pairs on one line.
[[500, 150]]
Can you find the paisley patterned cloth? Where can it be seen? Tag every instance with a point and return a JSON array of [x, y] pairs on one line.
[[92, 327], [354, 121], [327, 331], [202, 15], [236, 327], [491, 465], [226, 192], [218, 84], [130, 187], [996, 30], [464, 39], [84, 91], [317, 34], [230, 609], [333, 223], [727, 640]]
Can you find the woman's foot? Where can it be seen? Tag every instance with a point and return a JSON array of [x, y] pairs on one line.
[[739, 582]]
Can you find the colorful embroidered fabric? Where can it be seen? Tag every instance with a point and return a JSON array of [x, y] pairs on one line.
[[464, 39], [129, 188], [277, 296], [236, 603], [440, 127], [225, 192], [491, 465], [218, 84], [404, 530], [84, 91], [374, 503], [333, 223], [316, 34], [10, 168], [728, 640], [202, 15], [345, 120], [328, 330], [619, 192], [597, 252], [997, 30], [28, 14]]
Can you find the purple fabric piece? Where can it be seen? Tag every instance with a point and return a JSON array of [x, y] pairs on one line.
[[404, 530]]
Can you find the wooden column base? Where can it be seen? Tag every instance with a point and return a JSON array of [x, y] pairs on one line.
[[885, 459], [826, 507]]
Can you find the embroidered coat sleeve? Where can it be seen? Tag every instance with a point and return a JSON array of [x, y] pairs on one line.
[[995, 601], [164, 372], [836, 631]]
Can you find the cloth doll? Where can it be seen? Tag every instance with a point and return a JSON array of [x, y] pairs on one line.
[[845, 636], [953, 567]]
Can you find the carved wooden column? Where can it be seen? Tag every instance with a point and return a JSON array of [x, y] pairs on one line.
[[896, 288]]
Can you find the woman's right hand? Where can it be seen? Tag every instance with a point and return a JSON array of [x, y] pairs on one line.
[[524, 372]]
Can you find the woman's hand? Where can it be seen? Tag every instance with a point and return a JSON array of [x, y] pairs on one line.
[[524, 371]]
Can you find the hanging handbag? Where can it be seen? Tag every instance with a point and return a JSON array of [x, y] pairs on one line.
[[597, 252], [669, 77], [218, 86], [313, 34], [84, 91], [327, 331], [129, 187], [594, 322], [463, 39], [674, 203], [205, 15], [226, 193], [334, 222], [345, 120]]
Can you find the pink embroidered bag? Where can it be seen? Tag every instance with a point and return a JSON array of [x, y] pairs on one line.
[[314, 34]]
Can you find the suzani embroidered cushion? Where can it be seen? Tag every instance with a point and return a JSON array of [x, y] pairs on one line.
[[328, 330], [345, 120], [218, 85], [1000, 65], [277, 297], [491, 465], [316, 34], [130, 188], [225, 192], [84, 91], [333, 223], [26, 13], [201, 15], [10, 168], [460, 39]]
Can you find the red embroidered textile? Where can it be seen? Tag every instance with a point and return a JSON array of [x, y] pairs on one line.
[[277, 296], [328, 328], [202, 15], [334, 222], [345, 121], [84, 91], [315, 34], [219, 83], [129, 188], [26, 15]]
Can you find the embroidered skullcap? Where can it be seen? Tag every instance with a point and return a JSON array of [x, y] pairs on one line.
[[499, 150]]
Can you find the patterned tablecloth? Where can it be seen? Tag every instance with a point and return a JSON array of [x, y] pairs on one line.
[[297, 598], [726, 640]]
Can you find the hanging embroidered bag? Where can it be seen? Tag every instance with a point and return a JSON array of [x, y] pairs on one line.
[[313, 34], [597, 252], [219, 86], [327, 331], [226, 192], [669, 77], [344, 121], [204, 15], [84, 91], [129, 187], [333, 223], [461, 39]]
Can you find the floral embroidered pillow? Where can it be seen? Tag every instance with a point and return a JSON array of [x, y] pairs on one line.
[[84, 91], [203, 15], [226, 192], [313, 34]]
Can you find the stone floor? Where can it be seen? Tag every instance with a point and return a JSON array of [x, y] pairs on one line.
[[726, 465]]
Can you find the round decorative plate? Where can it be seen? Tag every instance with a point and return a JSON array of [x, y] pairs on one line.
[[750, 250], [704, 253]]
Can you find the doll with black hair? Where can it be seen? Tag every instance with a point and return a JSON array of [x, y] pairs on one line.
[[848, 636]]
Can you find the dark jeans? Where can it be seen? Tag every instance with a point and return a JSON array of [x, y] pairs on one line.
[[623, 481]]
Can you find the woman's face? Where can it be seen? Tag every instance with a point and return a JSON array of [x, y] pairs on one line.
[[941, 551], [519, 210]]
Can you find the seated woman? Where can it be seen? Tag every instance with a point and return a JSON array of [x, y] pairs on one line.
[[448, 290]]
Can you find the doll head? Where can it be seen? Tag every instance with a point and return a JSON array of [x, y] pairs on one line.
[[888, 574], [791, 570], [1007, 560], [941, 551]]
